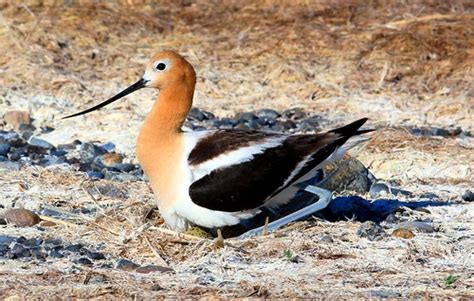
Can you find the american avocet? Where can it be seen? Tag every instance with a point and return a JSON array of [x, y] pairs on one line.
[[218, 178]]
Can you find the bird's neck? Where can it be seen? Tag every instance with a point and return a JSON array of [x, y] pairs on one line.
[[168, 113]]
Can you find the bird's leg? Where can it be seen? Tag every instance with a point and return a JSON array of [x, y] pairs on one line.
[[324, 198]]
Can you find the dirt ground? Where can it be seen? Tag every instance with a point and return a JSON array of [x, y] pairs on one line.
[[400, 63]]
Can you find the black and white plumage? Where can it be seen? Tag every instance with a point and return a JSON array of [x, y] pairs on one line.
[[234, 173]]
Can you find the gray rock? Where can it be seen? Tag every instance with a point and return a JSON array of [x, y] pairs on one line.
[[89, 151], [126, 265], [83, 261], [268, 114], [415, 226], [247, 117], [109, 146], [468, 196], [327, 239], [35, 141], [351, 175], [95, 255], [379, 189], [5, 239], [196, 114], [17, 250], [371, 231], [4, 148], [119, 176]]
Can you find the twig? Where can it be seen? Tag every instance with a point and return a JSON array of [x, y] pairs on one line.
[[57, 221], [155, 251], [173, 233]]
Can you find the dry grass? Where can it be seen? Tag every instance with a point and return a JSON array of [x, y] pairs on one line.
[[398, 63]]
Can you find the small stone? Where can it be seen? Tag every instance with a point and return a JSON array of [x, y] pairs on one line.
[[21, 217], [3, 249], [33, 242], [17, 250], [295, 113], [109, 146], [119, 176], [108, 160], [127, 265], [156, 287], [55, 254], [124, 167], [89, 151], [403, 233], [95, 256], [268, 114], [153, 269], [76, 248], [246, 117], [50, 160], [83, 261], [415, 226], [391, 219], [196, 114], [379, 189], [58, 152], [4, 148], [327, 239], [5, 239], [468, 196], [351, 175], [371, 231], [208, 115], [288, 124], [16, 118], [53, 241], [95, 174], [226, 123], [26, 127]]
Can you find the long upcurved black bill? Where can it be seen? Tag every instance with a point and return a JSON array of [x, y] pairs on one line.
[[138, 85]]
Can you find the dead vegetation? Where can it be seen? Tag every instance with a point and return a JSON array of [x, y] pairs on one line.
[[398, 63]]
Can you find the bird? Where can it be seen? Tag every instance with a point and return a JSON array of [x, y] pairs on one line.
[[218, 178]]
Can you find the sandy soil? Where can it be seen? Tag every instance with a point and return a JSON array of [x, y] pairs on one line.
[[400, 65]]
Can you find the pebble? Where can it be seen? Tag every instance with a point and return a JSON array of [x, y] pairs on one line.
[[119, 176], [295, 113], [351, 175], [246, 117], [379, 189], [5, 239], [327, 239], [83, 261], [17, 250], [196, 114], [95, 174], [468, 196], [4, 148], [403, 233], [16, 118], [108, 146], [95, 255], [126, 265], [415, 226], [153, 269], [107, 160], [371, 231], [55, 254], [89, 151], [21, 217], [268, 114], [35, 141]]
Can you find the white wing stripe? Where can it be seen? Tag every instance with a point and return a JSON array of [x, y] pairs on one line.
[[243, 154]]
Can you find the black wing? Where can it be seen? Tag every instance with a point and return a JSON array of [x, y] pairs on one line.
[[249, 184]]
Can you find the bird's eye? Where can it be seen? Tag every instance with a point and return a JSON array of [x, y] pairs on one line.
[[160, 66]]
